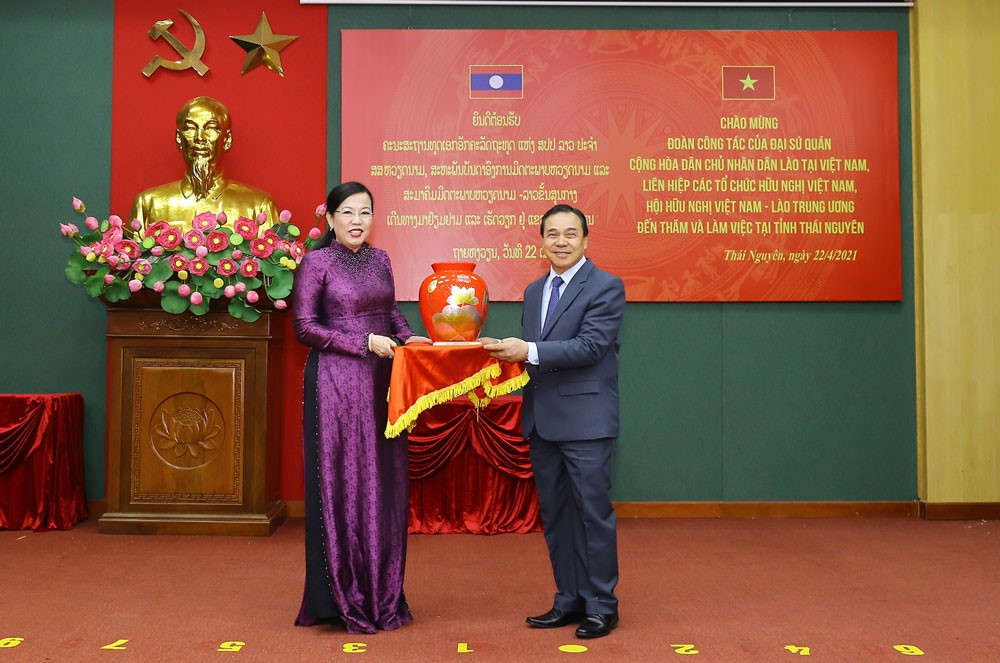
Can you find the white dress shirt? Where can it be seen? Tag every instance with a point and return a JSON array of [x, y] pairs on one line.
[[567, 276]]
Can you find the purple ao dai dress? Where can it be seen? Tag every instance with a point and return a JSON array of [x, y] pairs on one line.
[[357, 493]]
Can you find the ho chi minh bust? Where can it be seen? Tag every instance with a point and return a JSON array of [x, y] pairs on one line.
[[204, 134]]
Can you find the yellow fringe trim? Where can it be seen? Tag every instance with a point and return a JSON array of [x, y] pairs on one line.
[[482, 379], [494, 391]]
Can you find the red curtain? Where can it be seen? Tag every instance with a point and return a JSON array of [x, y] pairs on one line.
[[470, 471], [41, 461]]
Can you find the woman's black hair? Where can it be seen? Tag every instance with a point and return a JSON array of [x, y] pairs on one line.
[[335, 199]]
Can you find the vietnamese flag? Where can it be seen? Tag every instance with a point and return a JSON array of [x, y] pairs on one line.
[[743, 82]]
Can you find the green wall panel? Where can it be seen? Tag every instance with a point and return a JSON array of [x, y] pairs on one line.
[[56, 119]]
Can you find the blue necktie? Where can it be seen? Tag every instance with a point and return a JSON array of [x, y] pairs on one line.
[[553, 299]]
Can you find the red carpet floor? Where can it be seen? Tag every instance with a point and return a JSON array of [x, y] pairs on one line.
[[730, 590]]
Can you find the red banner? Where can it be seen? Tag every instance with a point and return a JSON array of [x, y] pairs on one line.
[[714, 165], [278, 123]]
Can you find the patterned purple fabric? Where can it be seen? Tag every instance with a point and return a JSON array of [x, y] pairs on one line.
[[356, 481]]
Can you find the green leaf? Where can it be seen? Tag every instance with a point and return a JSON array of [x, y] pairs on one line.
[[281, 285], [95, 283], [214, 258], [206, 286], [118, 291], [238, 308], [88, 236], [201, 309], [171, 302], [74, 269], [251, 284], [269, 268], [160, 272]]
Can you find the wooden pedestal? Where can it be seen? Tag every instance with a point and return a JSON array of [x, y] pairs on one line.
[[192, 423]]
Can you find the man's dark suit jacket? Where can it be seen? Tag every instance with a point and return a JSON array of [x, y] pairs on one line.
[[573, 391]]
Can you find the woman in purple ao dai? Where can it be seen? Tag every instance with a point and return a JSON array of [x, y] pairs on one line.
[[356, 484]]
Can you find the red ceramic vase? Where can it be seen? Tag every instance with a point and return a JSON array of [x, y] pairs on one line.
[[453, 302]]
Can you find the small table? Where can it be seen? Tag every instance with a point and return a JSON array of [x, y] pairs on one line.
[[469, 465], [41, 461], [470, 470]]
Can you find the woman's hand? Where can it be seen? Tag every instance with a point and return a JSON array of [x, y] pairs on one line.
[[417, 339], [381, 345]]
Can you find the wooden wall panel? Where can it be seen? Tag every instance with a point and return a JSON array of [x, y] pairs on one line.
[[957, 56]]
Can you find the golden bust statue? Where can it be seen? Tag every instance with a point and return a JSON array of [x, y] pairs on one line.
[[204, 134]]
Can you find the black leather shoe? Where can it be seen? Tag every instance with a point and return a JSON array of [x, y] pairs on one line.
[[555, 618], [597, 626]]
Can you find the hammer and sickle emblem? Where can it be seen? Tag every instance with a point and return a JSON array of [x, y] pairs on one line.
[[189, 58]]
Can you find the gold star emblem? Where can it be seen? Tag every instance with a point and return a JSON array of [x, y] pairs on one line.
[[262, 47], [748, 83]]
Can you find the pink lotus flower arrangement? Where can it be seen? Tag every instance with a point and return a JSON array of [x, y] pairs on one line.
[[235, 263]]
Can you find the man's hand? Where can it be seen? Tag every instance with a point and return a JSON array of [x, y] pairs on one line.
[[510, 349]]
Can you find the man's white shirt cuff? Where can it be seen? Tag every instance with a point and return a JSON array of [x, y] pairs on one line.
[[532, 354]]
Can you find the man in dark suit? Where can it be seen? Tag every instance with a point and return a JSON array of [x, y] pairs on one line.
[[570, 326]]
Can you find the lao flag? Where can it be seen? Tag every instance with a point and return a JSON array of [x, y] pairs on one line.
[[747, 82], [496, 81]]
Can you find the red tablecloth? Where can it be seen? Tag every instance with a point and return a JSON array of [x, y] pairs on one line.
[[425, 375], [470, 471], [469, 467], [41, 461]]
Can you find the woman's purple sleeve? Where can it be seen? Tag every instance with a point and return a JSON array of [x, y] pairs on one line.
[[400, 328], [310, 284]]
